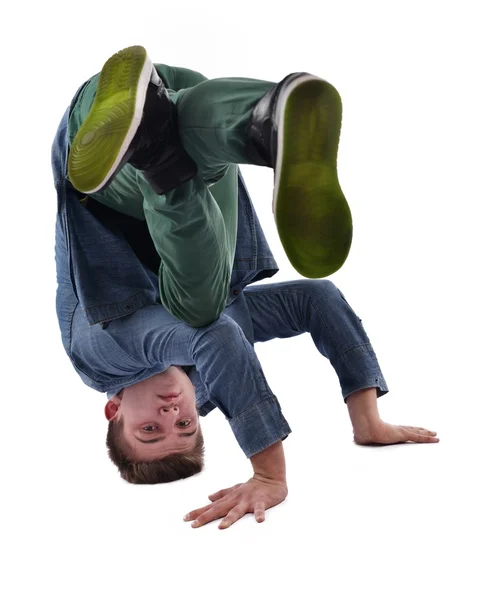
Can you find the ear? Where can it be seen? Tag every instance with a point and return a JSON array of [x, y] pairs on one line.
[[111, 407]]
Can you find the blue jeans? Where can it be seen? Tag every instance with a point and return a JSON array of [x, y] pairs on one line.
[[227, 373]]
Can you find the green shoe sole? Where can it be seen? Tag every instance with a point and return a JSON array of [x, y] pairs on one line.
[[104, 137], [312, 215]]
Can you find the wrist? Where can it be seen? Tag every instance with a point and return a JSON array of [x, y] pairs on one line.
[[270, 464], [278, 484]]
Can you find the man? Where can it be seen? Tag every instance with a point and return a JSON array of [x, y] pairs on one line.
[[153, 266]]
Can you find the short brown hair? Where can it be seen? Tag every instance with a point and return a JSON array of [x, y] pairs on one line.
[[163, 470]]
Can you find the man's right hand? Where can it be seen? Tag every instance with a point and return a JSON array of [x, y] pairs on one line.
[[255, 496], [265, 489]]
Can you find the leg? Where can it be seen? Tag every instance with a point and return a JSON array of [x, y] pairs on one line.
[[213, 121], [288, 309], [293, 126], [194, 230]]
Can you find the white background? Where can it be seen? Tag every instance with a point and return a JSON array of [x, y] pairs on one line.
[[420, 157]]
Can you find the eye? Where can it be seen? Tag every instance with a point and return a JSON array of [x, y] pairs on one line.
[[150, 428], [185, 423]]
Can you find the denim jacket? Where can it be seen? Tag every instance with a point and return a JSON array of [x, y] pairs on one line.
[[100, 275]]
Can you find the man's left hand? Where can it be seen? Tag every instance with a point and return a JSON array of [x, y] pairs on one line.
[[384, 433]]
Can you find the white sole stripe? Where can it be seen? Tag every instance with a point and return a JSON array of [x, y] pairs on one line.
[[141, 90]]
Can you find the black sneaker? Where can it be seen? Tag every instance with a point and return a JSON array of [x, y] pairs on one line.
[[131, 120], [295, 129]]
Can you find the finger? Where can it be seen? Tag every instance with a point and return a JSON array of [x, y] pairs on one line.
[[193, 514], [234, 515], [259, 512], [420, 430], [215, 511], [428, 432], [413, 436], [222, 493]]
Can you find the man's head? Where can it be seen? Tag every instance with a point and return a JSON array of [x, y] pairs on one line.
[[154, 435]]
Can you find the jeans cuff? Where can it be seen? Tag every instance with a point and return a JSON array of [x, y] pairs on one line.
[[260, 426], [376, 381]]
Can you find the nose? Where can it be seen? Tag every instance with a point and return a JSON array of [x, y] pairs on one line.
[[170, 407]]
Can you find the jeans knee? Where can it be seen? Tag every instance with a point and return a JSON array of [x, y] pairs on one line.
[[325, 292], [224, 328], [224, 334], [316, 288]]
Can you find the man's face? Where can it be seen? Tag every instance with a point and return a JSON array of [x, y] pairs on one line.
[[159, 415]]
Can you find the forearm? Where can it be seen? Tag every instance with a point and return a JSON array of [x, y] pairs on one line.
[[231, 373], [363, 409], [270, 464]]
